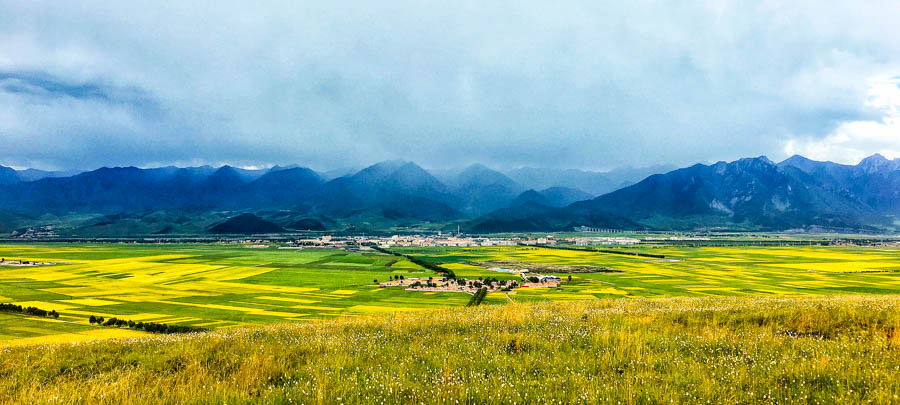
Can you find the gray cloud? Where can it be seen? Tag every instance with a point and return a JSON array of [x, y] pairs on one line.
[[330, 84]]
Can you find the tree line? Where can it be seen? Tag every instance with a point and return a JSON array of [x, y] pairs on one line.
[[428, 265], [29, 310], [151, 327], [478, 297], [610, 251]]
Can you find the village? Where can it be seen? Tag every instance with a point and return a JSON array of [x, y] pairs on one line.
[[457, 240], [472, 286]]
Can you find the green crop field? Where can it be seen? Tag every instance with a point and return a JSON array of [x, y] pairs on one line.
[[687, 271], [209, 286], [217, 286]]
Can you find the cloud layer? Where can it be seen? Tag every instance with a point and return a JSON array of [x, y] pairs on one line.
[[330, 84], [852, 141]]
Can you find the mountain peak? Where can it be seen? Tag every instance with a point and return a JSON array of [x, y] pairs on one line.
[[796, 159], [530, 196], [759, 159], [876, 157], [800, 162], [381, 170], [481, 175], [877, 163]]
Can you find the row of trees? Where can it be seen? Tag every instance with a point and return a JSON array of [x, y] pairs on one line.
[[615, 252], [151, 327], [28, 310], [478, 297], [430, 284], [428, 265], [391, 278]]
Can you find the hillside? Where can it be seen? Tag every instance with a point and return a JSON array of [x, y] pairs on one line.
[[754, 193], [746, 194], [245, 224], [682, 350]]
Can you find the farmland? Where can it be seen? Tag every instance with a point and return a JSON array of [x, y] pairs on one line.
[[690, 271], [218, 286], [209, 286]]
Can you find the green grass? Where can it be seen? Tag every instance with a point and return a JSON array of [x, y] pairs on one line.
[[682, 350]]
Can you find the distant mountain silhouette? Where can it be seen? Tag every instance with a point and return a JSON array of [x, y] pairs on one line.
[[747, 194], [595, 183], [562, 196], [551, 197], [752, 193], [11, 176], [481, 189]]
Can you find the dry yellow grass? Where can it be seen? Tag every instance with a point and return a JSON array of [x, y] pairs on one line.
[[681, 350]]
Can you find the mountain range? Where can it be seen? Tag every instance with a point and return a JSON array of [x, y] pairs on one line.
[[747, 194]]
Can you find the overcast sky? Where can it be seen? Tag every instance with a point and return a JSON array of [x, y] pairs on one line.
[[329, 84]]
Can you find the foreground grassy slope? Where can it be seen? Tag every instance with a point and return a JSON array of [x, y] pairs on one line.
[[721, 349]]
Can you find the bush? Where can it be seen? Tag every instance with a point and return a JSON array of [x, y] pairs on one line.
[[34, 311]]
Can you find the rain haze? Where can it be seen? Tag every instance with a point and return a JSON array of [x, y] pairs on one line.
[[589, 85]]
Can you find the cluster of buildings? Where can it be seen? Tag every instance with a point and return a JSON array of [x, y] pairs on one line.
[[677, 238], [606, 241], [386, 242], [442, 241], [37, 232]]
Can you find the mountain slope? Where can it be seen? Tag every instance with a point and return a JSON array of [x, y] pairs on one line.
[[748, 193], [391, 185], [595, 183], [245, 224], [481, 189], [8, 176]]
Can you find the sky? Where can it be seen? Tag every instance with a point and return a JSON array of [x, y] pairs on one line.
[[331, 84]]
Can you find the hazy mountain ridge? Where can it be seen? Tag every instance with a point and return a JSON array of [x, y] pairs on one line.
[[596, 183], [752, 193]]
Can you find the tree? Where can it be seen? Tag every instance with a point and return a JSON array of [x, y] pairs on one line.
[[92, 319], [376, 281], [570, 277]]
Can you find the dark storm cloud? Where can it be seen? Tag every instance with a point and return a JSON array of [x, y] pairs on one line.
[[336, 84]]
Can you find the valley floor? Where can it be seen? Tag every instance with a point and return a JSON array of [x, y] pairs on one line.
[[219, 286], [644, 350]]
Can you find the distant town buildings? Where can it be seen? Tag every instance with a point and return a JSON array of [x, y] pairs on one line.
[[606, 241]]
